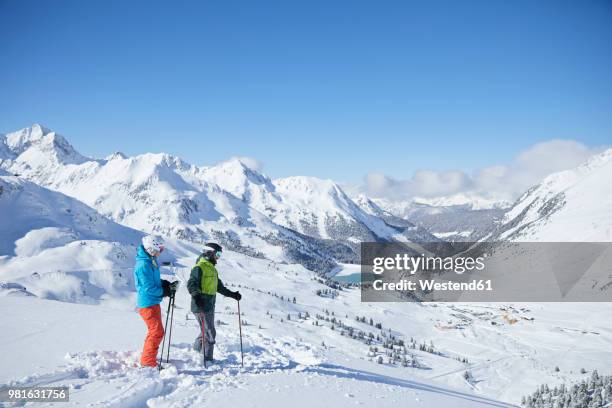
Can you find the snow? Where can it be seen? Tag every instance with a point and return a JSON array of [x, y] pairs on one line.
[[148, 193], [245, 183], [442, 216], [230, 202], [94, 348], [572, 205], [38, 144], [41, 219], [450, 234], [321, 208], [68, 302], [472, 201], [276, 371], [462, 201]]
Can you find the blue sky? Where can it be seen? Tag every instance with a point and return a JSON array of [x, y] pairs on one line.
[[334, 89]]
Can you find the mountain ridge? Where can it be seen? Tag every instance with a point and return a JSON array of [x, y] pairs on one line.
[[562, 205]]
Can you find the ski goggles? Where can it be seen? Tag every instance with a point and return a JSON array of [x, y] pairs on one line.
[[218, 254]]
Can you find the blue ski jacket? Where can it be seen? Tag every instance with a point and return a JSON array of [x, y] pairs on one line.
[[147, 279]]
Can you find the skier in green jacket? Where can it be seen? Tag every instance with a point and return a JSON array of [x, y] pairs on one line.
[[203, 285]]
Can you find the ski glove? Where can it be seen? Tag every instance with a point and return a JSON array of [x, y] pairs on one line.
[[169, 288], [236, 295], [174, 287]]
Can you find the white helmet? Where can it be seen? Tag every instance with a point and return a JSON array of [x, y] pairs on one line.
[[153, 244]]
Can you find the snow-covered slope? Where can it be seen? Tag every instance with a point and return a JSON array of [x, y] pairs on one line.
[[314, 207], [36, 219], [298, 219], [571, 206], [49, 237], [431, 242], [162, 194], [244, 182], [320, 208], [314, 344]]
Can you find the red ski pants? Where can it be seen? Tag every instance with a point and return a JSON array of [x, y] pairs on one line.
[[155, 333]]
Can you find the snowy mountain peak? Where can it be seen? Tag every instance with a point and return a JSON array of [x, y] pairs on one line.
[[115, 156], [311, 188], [39, 141], [236, 167], [240, 163], [240, 179], [20, 141], [40, 128], [162, 160]]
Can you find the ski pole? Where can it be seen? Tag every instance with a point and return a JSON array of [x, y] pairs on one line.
[[170, 334], [203, 326], [240, 329], [164, 340]]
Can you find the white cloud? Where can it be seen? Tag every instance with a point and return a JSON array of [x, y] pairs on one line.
[[503, 181], [378, 183], [424, 183], [439, 183], [250, 162]]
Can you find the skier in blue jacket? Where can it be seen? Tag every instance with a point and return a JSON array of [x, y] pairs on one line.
[[150, 290]]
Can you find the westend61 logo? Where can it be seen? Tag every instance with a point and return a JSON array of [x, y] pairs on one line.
[[487, 272]]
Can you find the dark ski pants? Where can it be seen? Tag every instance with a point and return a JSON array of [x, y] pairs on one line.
[[207, 324]]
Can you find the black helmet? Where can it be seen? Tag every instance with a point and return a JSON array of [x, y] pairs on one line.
[[212, 252], [212, 247]]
